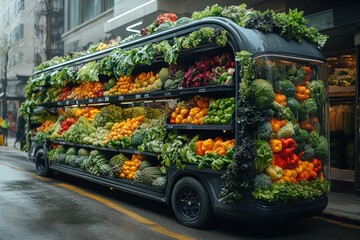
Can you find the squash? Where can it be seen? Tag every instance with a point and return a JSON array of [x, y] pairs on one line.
[[137, 139], [83, 152], [285, 87], [62, 158], [294, 105], [105, 169], [144, 165], [118, 160], [71, 151], [159, 182], [149, 174]]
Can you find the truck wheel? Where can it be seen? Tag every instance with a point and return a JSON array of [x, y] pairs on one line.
[[42, 164], [191, 203]]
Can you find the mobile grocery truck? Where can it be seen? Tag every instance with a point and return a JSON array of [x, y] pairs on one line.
[[224, 116]]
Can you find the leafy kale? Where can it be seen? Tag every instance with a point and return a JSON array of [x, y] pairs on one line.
[[89, 72], [287, 191], [205, 35], [214, 10]]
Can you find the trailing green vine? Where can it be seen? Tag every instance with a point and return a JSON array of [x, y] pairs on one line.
[[239, 173]]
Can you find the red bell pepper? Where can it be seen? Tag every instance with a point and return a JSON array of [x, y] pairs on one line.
[[280, 161], [292, 161], [288, 146], [289, 162], [317, 165]]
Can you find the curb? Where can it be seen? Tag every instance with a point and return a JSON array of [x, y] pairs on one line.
[[341, 219]]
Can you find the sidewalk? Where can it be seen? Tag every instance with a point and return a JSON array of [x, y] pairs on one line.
[[344, 203]]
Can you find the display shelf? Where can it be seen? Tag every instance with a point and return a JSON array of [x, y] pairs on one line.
[[338, 91], [58, 104], [116, 183], [200, 127], [163, 94], [117, 150]]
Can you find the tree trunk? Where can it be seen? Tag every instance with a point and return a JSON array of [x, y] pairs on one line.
[[48, 29]]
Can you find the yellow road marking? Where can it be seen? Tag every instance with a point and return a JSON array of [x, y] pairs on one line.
[[125, 211], [110, 204], [339, 223]]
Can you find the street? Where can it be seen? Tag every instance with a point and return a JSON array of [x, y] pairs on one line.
[[63, 207]]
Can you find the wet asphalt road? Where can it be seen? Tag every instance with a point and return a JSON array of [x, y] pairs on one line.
[[63, 207]]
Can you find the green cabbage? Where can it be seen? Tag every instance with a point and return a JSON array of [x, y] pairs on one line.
[[264, 93]]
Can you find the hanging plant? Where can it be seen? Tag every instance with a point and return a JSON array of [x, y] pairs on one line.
[[239, 173]]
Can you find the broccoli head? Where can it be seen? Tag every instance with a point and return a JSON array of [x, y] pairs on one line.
[[314, 139], [310, 106], [265, 131], [321, 150], [308, 153], [263, 181]]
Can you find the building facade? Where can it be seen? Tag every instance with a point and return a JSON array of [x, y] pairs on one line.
[[30, 32]]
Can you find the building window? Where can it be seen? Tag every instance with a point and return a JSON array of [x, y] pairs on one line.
[[74, 13], [19, 5], [19, 32], [81, 11], [322, 20], [92, 9]]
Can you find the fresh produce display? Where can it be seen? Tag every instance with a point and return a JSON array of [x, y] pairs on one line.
[[79, 130], [57, 154], [150, 139], [266, 137], [124, 129], [191, 112], [129, 168], [220, 111], [108, 114], [172, 77], [287, 151], [66, 124], [122, 86], [97, 138], [97, 164], [42, 116], [45, 126], [116, 163], [143, 82], [148, 175], [87, 90], [219, 146], [102, 46], [88, 112], [179, 116], [67, 91], [208, 71]]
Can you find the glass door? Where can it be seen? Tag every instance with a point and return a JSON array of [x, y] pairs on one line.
[[342, 79]]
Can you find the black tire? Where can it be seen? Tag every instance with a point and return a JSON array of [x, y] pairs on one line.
[[191, 203], [42, 164]]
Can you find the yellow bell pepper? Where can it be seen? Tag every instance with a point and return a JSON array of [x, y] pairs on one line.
[[275, 145]]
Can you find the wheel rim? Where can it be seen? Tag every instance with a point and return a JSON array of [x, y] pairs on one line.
[[41, 163], [189, 204]]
